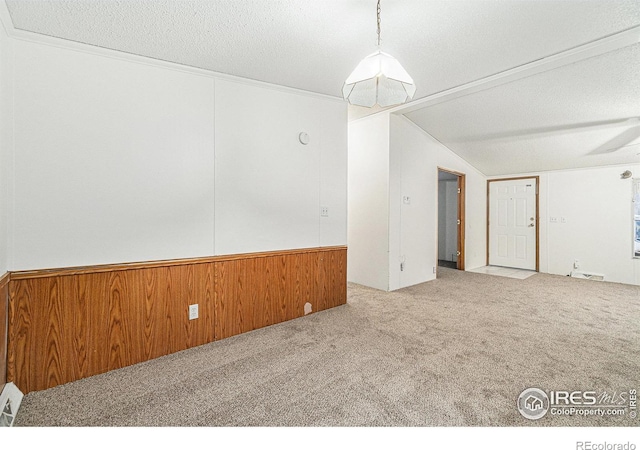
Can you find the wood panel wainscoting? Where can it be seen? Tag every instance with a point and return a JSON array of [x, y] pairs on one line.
[[69, 324], [4, 305]]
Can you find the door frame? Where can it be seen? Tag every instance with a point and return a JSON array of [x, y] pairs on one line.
[[537, 178], [462, 182]]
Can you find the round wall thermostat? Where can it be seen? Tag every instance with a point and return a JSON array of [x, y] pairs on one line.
[[304, 138]]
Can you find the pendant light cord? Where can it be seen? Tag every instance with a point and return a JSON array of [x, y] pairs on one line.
[[378, 14]]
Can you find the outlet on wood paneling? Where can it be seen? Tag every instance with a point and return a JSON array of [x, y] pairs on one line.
[[70, 324]]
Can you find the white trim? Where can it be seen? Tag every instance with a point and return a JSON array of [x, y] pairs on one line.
[[35, 38]]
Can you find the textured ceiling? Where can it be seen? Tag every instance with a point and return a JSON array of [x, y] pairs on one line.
[[314, 44], [579, 115]]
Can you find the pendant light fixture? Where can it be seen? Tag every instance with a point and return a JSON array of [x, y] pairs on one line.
[[378, 79]]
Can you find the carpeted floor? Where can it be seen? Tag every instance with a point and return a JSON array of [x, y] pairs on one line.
[[456, 351]]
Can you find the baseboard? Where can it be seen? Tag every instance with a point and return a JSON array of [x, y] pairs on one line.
[[10, 401]]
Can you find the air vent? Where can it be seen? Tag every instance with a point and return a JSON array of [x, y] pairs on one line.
[[587, 276], [10, 400]]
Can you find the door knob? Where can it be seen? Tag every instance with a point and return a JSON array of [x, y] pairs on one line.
[[531, 225]]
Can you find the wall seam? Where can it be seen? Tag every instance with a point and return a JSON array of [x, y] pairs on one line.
[[12, 175]]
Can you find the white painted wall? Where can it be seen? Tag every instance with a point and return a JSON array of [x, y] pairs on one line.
[[121, 160], [598, 231], [368, 219], [6, 104], [391, 158], [417, 222], [269, 186], [413, 225], [475, 204], [113, 160]]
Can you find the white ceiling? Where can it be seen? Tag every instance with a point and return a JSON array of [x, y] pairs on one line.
[[556, 119], [578, 115]]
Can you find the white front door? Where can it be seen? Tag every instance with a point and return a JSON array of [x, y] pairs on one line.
[[512, 223]]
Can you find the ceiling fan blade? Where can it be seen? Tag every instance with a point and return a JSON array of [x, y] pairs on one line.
[[616, 143], [556, 129]]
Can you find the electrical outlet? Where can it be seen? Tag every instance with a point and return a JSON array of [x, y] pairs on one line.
[[563, 220], [324, 211], [434, 269], [193, 311], [576, 264], [553, 219]]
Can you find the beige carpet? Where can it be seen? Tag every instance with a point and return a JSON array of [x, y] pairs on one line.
[[456, 351]]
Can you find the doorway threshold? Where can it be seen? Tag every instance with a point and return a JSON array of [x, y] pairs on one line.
[[448, 264], [509, 272]]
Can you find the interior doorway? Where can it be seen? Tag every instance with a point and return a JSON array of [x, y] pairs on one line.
[[451, 218]]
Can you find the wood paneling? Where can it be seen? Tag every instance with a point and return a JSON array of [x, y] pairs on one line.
[[263, 291], [333, 279], [148, 312], [74, 323], [4, 304]]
